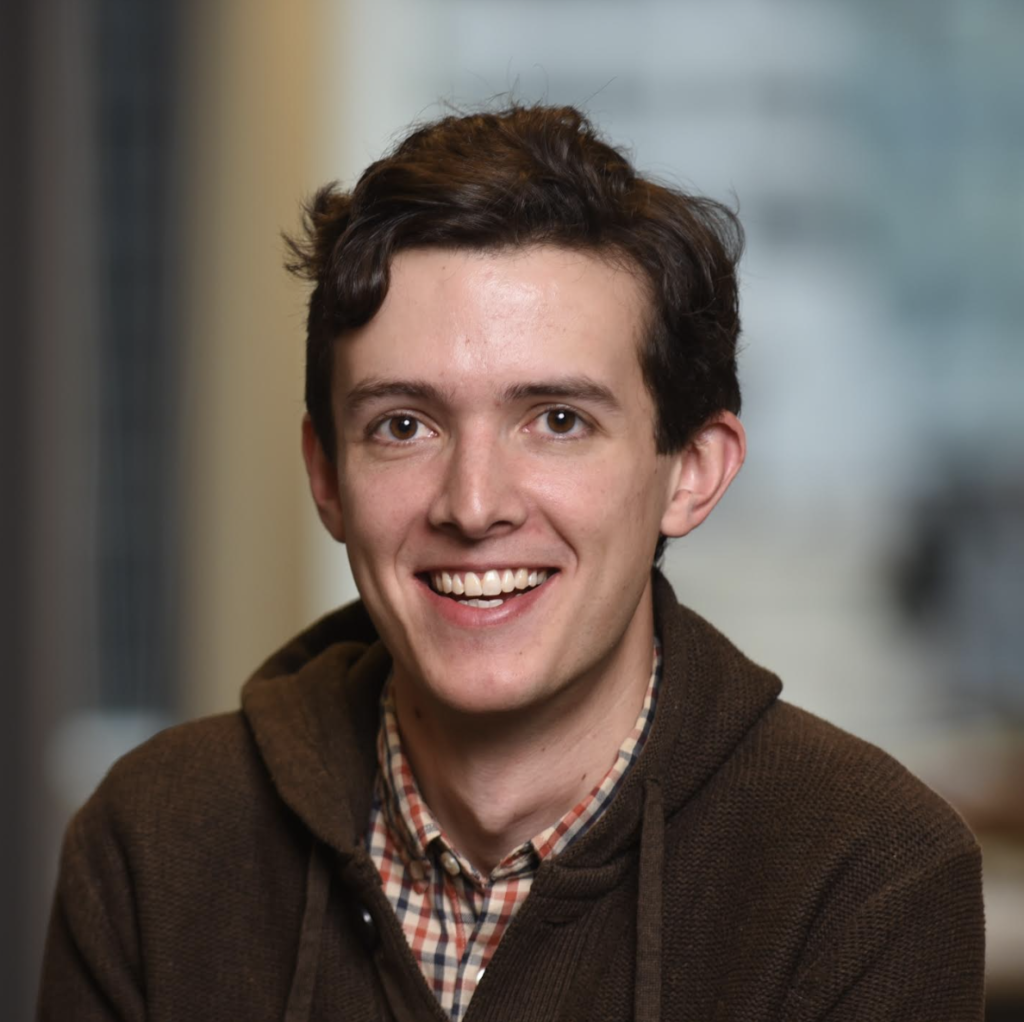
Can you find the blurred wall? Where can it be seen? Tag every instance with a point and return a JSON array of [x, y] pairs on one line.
[[256, 121]]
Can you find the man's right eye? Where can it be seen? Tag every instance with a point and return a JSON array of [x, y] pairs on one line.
[[400, 428]]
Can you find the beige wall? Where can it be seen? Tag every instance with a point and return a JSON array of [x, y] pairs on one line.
[[251, 114]]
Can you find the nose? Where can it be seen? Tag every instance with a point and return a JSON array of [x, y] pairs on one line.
[[478, 495]]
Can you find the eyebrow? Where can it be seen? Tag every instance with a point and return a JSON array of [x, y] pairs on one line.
[[572, 388], [376, 389]]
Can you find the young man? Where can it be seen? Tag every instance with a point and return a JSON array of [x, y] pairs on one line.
[[517, 780]]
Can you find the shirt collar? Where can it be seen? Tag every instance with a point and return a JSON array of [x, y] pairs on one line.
[[415, 829]]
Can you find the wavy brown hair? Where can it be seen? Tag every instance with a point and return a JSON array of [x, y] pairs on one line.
[[526, 176]]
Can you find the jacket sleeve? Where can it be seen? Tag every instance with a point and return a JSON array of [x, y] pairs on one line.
[[92, 964], [913, 952]]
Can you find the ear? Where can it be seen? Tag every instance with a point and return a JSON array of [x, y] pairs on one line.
[[323, 481], [702, 472]]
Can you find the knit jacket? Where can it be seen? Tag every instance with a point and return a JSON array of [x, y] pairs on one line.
[[757, 864]]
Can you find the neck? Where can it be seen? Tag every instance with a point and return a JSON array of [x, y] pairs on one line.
[[496, 782]]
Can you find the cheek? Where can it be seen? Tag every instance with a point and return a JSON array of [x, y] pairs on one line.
[[380, 508], [621, 495]]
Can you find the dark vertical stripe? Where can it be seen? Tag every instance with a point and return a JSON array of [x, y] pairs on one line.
[[139, 352], [15, 355]]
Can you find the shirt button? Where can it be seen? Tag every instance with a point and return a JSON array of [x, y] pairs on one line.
[[480, 974], [416, 870], [450, 863]]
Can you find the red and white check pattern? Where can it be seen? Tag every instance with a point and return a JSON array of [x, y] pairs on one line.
[[453, 916]]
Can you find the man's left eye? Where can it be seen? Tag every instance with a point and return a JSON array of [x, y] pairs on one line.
[[561, 422]]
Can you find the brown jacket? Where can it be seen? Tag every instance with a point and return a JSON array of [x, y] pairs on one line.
[[758, 864]]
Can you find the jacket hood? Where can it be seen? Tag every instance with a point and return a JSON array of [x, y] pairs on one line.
[[313, 711], [312, 708]]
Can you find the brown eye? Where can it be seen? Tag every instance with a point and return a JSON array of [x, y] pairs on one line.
[[403, 427], [561, 420]]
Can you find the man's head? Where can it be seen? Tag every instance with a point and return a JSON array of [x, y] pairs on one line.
[[521, 375], [529, 176]]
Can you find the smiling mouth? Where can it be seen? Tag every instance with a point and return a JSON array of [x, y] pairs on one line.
[[488, 588]]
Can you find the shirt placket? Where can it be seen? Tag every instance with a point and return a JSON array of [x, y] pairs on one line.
[[455, 905], [486, 905], [453, 917]]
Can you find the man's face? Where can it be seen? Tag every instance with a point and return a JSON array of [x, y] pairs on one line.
[[494, 428]]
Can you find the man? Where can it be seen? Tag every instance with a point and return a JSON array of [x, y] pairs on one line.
[[517, 780]]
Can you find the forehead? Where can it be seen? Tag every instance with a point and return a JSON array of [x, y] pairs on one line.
[[473, 320]]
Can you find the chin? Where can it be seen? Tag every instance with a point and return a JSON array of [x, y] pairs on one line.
[[487, 691]]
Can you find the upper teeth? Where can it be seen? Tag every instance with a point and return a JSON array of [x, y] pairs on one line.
[[490, 583]]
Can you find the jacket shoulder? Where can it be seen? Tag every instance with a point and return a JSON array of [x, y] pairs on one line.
[[182, 869], [840, 788], [893, 875], [202, 772]]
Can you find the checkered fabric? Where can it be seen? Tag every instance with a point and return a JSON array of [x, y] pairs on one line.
[[452, 915]]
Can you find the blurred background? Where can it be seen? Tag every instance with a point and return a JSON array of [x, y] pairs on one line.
[[157, 537]]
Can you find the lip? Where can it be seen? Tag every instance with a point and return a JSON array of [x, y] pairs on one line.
[[479, 569], [458, 614]]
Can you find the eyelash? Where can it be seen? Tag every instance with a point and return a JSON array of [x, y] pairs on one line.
[[581, 421]]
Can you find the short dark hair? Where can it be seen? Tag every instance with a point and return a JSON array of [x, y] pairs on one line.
[[521, 176]]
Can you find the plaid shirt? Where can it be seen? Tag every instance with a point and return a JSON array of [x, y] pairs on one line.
[[452, 915]]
